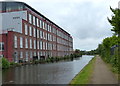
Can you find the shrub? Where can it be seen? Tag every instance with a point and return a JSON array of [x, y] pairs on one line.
[[0, 62], [5, 63]]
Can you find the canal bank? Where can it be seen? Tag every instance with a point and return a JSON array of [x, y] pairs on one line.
[[52, 73], [84, 76], [96, 72], [102, 73]]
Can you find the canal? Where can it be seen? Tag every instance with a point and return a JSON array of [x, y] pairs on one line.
[[52, 73]]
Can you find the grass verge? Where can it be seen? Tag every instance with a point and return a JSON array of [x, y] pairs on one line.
[[83, 77]]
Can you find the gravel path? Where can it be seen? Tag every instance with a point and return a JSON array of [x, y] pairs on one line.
[[102, 74]]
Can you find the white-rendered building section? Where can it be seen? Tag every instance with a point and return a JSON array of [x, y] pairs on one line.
[[12, 21]]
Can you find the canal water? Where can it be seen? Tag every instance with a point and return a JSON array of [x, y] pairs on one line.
[[52, 73]]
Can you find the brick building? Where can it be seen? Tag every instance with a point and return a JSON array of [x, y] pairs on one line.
[[25, 33]]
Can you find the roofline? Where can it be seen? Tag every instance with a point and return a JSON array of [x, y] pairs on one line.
[[37, 13]]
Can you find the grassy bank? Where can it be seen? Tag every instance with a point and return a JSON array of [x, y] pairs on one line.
[[83, 77]]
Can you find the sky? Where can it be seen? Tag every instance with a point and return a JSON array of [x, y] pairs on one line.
[[85, 20]]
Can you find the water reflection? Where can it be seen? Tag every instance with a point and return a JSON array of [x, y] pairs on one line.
[[52, 73]]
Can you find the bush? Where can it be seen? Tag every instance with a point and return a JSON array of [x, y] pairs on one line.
[[12, 63], [0, 62], [5, 63]]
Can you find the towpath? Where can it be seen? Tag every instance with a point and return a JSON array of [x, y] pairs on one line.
[[102, 74]]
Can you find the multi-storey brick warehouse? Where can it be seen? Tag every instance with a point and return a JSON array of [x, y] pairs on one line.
[[25, 34]]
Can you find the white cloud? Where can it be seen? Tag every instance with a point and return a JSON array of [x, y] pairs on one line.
[[85, 20]]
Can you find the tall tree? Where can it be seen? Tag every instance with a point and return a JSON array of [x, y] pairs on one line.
[[115, 21]]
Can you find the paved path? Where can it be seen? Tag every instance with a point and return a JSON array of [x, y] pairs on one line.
[[102, 74]]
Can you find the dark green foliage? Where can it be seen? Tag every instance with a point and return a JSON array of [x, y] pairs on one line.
[[115, 20], [5, 63], [104, 50]]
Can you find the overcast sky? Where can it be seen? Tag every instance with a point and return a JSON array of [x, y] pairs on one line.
[[85, 20]]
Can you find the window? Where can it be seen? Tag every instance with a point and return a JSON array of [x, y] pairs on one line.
[[26, 43], [49, 37], [41, 34], [47, 26], [30, 31], [1, 46], [38, 55], [26, 56], [37, 33], [46, 46], [15, 41], [43, 25], [33, 20], [26, 29], [1, 56], [41, 45], [21, 54], [21, 42], [50, 28], [30, 18], [37, 22], [34, 32], [8, 9], [46, 36], [30, 43], [38, 44], [31, 55], [34, 53], [40, 23], [34, 44]]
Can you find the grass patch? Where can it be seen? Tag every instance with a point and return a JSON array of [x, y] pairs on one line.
[[83, 77]]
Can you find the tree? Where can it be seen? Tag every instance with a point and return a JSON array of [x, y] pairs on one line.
[[115, 21]]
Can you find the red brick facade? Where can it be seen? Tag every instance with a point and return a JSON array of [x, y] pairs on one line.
[[39, 37]]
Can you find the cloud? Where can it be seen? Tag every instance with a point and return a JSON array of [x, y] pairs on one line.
[[85, 20]]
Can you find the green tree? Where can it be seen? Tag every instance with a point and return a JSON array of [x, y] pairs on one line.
[[115, 21]]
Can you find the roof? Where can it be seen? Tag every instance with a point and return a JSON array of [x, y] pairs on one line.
[[36, 12]]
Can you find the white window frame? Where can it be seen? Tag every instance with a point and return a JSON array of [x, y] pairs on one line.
[[21, 42], [21, 54], [26, 56], [43, 24], [33, 20], [41, 34], [34, 44], [15, 41], [38, 22], [37, 33], [41, 45], [34, 32], [30, 30], [26, 43], [38, 45], [26, 29], [30, 18], [31, 54], [30, 43], [35, 54]]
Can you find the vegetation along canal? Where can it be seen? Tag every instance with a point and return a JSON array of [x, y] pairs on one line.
[[52, 73]]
